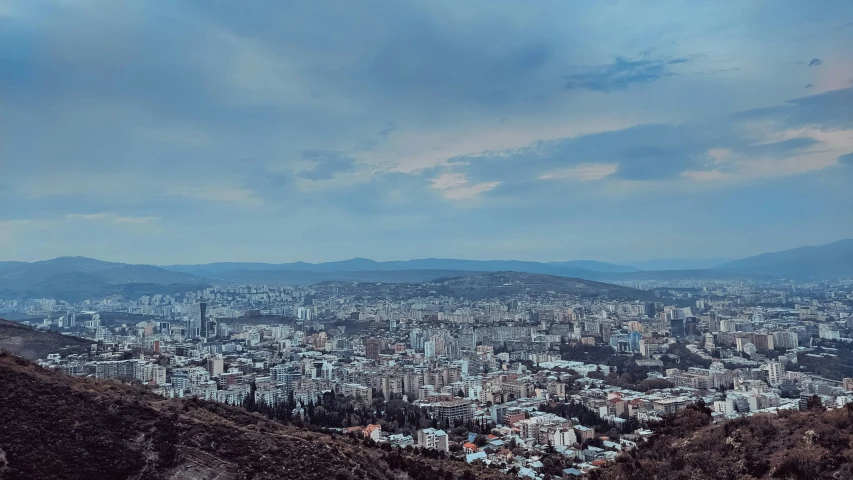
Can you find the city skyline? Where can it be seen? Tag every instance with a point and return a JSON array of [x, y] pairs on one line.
[[409, 240], [168, 133]]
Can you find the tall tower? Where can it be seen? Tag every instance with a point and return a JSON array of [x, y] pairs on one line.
[[202, 309]]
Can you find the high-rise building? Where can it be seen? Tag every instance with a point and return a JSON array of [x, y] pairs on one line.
[[372, 346], [775, 373], [433, 439], [416, 339], [305, 313], [285, 376], [676, 327], [202, 312], [215, 366], [451, 348], [429, 349], [457, 411]]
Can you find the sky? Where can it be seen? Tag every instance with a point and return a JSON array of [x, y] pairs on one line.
[[175, 131]]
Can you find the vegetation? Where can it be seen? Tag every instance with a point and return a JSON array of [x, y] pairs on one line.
[[833, 360], [589, 418], [54, 426], [792, 445], [33, 344]]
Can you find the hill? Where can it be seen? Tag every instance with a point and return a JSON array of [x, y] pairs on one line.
[[679, 263], [791, 445], [33, 344], [481, 286], [830, 260], [294, 277], [504, 284], [53, 426], [228, 270], [77, 278]]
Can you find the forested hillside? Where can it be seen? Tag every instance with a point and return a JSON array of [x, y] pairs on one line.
[[53, 426], [791, 445]]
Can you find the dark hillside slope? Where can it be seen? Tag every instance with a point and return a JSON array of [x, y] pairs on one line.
[[492, 285], [53, 426], [503, 284], [33, 344], [792, 445]]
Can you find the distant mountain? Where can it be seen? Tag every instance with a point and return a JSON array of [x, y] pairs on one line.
[[830, 260], [296, 277], [596, 266], [56, 426], [669, 275], [679, 263], [76, 278], [229, 270]]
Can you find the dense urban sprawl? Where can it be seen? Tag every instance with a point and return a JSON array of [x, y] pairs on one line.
[[533, 384]]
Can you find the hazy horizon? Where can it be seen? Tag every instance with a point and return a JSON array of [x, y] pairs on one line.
[[619, 263], [643, 264], [186, 133]]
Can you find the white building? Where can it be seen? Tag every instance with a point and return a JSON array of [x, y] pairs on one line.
[[433, 439], [429, 349], [775, 373]]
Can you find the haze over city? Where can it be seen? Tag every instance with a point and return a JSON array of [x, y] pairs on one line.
[[184, 132], [426, 240]]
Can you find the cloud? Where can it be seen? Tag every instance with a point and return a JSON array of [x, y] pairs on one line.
[[136, 220], [621, 74], [106, 219], [455, 186], [795, 138], [326, 165], [584, 172], [215, 191], [705, 175], [815, 62], [294, 111], [830, 109], [87, 216], [111, 218], [387, 129]]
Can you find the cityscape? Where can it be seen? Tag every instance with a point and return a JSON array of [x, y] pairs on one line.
[[426, 240], [499, 368]]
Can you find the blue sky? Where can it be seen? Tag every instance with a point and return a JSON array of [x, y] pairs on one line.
[[190, 132]]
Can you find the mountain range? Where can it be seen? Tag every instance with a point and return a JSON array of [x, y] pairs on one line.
[[75, 278], [574, 267], [831, 260]]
